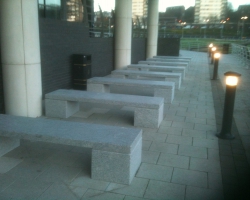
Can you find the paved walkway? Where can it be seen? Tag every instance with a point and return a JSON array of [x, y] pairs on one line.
[[183, 159]]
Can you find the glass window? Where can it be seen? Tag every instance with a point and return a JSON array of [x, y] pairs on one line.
[[71, 10], [74, 10], [41, 8], [50, 8], [53, 9]]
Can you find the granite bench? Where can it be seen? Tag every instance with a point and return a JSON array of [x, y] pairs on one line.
[[132, 86], [169, 60], [133, 74], [158, 68], [173, 57], [148, 111], [173, 64], [116, 151]]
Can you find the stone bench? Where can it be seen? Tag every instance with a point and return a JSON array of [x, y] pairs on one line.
[[173, 57], [173, 64], [64, 103], [158, 68], [167, 76], [131, 86], [169, 60], [116, 151]]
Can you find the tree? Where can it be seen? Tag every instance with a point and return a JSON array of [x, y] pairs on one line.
[[231, 14], [176, 11], [189, 15]]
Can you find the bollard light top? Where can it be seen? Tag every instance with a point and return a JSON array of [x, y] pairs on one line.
[[231, 73], [232, 78], [217, 55], [211, 45]]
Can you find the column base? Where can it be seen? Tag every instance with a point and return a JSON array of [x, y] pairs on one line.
[[227, 136]]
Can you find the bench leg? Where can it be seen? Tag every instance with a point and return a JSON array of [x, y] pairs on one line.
[[179, 82], [116, 167], [175, 80], [8, 144], [98, 88], [183, 75], [167, 94], [60, 109], [150, 118]]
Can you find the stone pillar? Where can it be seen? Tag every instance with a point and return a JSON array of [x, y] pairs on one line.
[[153, 18], [123, 33], [20, 53]]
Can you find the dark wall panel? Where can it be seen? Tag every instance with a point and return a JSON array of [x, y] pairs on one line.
[[1, 87], [168, 46], [102, 56], [138, 50], [59, 40]]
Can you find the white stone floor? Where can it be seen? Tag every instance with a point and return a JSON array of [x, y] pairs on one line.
[[182, 159]]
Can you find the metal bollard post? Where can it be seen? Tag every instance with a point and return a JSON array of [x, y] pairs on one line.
[[231, 83], [212, 54], [216, 63], [209, 49]]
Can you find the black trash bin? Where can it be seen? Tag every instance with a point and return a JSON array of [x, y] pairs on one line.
[[225, 48], [81, 70]]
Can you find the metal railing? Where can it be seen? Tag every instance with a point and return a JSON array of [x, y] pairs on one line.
[[194, 46], [242, 54]]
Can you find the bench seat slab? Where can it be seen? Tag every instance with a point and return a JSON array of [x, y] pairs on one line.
[[157, 68], [167, 94], [61, 109], [116, 151], [176, 80], [103, 84], [161, 63]]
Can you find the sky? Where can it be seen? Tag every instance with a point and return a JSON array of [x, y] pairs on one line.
[[187, 3], [107, 5]]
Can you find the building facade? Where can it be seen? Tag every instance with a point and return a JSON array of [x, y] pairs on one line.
[[139, 12], [210, 11]]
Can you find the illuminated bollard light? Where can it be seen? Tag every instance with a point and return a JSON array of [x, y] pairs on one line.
[[231, 83], [212, 54], [209, 49], [216, 63]]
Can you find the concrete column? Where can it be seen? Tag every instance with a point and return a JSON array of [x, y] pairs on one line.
[[123, 33], [153, 18], [20, 53]]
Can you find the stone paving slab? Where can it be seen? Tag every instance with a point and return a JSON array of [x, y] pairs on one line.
[[174, 160], [164, 190]]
